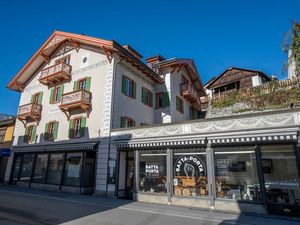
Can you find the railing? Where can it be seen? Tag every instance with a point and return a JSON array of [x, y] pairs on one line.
[[80, 96], [61, 67], [30, 109], [190, 89]]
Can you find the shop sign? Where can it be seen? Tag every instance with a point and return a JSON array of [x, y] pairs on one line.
[[152, 170], [5, 152], [189, 166]]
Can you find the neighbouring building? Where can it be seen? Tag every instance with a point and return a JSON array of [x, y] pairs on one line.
[[292, 72], [94, 118], [7, 124], [235, 79]]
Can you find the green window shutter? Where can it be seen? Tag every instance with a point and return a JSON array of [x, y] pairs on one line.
[[51, 95], [166, 100], [133, 123], [25, 134], [75, 86], [123, 84], [32, 98], [60, 92], [177, 103], [122, 122], [83, 126], [134, 89], [33, 134], [151, 99], [55, 130], [71, 126], [191, 113], [143, 95], [46, 132], [88, 84], [40, 98]]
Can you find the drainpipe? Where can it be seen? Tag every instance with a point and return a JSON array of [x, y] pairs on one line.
[[112, 117]]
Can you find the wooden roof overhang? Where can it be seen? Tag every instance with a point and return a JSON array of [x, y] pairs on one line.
[[57, 39], [179, 64]]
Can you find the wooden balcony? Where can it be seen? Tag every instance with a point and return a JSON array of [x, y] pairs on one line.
[[76, 100], [189, 92], [29, 112], [55, 74]]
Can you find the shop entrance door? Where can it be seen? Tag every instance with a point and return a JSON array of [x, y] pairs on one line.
[[88, 176], [129, 175]]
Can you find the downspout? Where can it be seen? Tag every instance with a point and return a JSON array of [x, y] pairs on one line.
[[112, 117]]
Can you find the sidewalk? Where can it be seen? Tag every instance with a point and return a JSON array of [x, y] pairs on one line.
[[131, 212]]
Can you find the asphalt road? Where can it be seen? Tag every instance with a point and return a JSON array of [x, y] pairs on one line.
[[45, 208]]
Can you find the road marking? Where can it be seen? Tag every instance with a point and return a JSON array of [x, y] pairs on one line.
[[124, 207]]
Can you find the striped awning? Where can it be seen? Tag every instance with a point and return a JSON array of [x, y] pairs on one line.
[[57, 147]]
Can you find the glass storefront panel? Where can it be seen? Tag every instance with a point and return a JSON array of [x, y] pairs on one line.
[[72, 175], [40, 169], [153, 172], [236, 173], [16, 168], [55, 170], [26, 169], [281, 175], [190, 173]]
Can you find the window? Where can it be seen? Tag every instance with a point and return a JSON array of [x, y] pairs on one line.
[[236, 173], [30, 134], [2, 135], [72, 175], [128, 87], [147, 97], [65, 60], [179, 105], [194, 113], [56, 94], [184, 80], [16, 167], [56, 162], [40, 168], [127, 122], [162, 100], [51, 130], [77, 127], [26, 168], [190, 173], [153, 172], [37, 98], [82, 84]]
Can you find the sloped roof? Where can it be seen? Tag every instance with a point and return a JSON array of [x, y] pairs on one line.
[[190, 66], [58, 38]]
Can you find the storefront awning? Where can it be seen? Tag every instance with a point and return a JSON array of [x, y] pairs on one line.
[[57, 147]]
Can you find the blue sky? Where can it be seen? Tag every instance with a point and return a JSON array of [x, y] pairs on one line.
[[216, 33]]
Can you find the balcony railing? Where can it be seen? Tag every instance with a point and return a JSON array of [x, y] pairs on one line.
[[29, 112], [80, 99], [56, 74], [189, 92]]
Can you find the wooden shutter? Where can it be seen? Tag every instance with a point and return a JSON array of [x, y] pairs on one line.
[[40, 99], [71, 127], [60, 92], [25, 134], [51, 95], [83, 126], [143, 95], [46, 134], [33, 133], [122, 122], [151, 99], [75, 85], [123, 84], [166, 100], [88, 84], [134, 89], [177, 103], [32, 99], [55, 130]]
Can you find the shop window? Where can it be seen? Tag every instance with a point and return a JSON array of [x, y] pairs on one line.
[[128, 87], [236, 173], [127, 122], [2, 135], [40, 169], [56, 162], [162, 100], [26, 168], [281, 176], [16, 168], [72, 175], [179, 105], [190, 173], [153, 172]]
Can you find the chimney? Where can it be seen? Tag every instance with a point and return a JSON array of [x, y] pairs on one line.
[[132, 51], [154, 59]]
